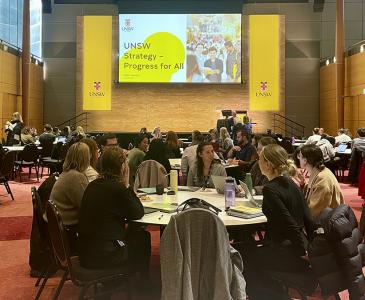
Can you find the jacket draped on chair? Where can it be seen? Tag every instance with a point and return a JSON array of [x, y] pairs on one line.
[[197, 261]]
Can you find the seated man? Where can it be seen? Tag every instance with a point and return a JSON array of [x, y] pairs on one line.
[[47, 135], [359, 142], [244, 154]]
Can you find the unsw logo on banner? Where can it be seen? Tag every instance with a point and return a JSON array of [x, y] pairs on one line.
[[127, 26], [264, 90], [97, 90]]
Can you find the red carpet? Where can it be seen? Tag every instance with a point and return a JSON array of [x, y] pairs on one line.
[[15, 228]]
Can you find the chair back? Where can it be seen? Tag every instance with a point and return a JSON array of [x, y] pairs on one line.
[[38, 215], [47, 147], [63, 152], [58, 236], [30, 153], [149, 174], [194, 245], [7, 164], [341, 231], [60, 150]]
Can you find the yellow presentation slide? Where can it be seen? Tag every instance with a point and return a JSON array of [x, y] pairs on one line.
[[192, 48]]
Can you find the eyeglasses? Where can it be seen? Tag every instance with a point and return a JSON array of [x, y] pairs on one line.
[[197, 203]]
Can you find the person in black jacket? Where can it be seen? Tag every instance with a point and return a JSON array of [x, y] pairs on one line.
[[108, 203], [13, 129], [157, 151], [288, 224]]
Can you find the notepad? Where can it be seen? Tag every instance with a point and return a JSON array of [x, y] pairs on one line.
[[246, 209], [245, 212], [148, 191], [163, 207]]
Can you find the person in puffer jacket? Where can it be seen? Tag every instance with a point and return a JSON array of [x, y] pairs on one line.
[[337, 254]]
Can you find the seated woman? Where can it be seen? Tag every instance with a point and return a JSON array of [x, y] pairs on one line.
[[288, 219], [214, 139], [68, 190], [204, 167], [26, 137], [91, 172], [259, 179], [322, 189], [173, 145], [108, 203], [157, 152], [225, 142]]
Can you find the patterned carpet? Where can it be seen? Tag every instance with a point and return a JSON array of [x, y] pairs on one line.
[[15, 226]]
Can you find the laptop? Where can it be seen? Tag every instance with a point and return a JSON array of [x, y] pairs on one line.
[[341, 148], [219, 182], [61, 139], [251, 199]]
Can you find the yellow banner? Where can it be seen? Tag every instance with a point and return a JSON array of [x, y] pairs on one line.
[[97, 63], [264, 62]]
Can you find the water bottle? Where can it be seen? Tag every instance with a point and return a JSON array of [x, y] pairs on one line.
[[248, 181], [229, 192]]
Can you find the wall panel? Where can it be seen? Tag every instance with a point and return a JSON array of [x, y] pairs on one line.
[[10, 91]]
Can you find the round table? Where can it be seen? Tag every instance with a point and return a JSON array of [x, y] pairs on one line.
[[209, 195]]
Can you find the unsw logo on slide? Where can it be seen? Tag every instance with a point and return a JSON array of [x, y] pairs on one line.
[[97, 90], [127, 26], [264, 90]]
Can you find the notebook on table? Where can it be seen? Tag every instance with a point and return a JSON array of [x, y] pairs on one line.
[[148, 210], [163, 207], [245, 212], [148, 191]]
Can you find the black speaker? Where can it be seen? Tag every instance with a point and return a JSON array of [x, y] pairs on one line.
[[47, 6], [318, 5]]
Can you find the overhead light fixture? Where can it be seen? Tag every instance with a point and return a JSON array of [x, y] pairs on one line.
[[36, 62], [327, 62]]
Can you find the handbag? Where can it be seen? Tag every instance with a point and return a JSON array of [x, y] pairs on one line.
[[197, 203]]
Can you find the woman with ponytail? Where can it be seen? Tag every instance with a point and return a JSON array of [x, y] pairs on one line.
[[322, 189], [289, 223]]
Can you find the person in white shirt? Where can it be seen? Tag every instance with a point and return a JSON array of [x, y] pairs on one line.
[[315, 137], [189, 154], [327, 149], [342, 137]]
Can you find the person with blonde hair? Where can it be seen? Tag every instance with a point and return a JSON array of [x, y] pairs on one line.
[[80, 132], [289, 223], [225, 142], [108, 203], [91, 172], [68, 190], [13, 129]]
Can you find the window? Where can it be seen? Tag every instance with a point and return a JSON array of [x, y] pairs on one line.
[[11, 24]]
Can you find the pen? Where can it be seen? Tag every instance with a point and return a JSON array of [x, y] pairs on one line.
[[160, 217]]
